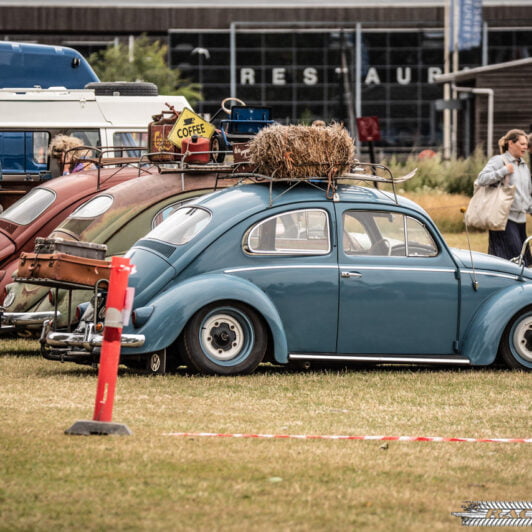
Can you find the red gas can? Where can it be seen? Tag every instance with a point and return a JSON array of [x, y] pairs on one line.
[[193, 145]]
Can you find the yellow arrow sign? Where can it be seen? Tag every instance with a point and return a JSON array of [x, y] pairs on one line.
[[187, 125]]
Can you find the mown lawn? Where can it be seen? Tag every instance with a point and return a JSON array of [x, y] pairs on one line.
[[153, 481]]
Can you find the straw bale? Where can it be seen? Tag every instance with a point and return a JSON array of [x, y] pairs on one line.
[[296, 152]]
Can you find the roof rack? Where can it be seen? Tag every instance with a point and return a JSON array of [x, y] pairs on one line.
[[360, 171], [243, 171]]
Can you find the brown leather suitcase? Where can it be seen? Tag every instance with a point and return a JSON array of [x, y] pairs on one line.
[[63, 267]]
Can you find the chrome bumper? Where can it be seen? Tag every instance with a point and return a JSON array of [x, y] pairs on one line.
[[25, 319], [89, 339]]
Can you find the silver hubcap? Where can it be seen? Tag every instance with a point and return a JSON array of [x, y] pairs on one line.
[[522, 339], [155, 362], [222, 337]]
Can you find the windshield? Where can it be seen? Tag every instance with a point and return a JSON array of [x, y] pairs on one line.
[[29, 207], [182, 226]]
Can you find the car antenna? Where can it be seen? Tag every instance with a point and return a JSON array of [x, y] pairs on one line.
[[474, 275]]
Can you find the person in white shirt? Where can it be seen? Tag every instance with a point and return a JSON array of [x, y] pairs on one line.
[[510, 168]]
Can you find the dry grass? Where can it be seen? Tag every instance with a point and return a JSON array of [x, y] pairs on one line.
[[443, 208], [291, 152], [158, 482]]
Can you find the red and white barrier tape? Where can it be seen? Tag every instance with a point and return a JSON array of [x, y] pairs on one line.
[[332, 437]]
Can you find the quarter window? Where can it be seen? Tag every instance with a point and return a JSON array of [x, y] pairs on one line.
[[165, 212], [304, 231], [27, 208], [376, 233], [181, 226], [94, 207]]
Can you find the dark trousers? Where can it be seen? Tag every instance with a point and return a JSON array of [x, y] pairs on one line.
[[508, 243]]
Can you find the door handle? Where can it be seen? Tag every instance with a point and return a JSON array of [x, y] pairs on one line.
[[348, 275]]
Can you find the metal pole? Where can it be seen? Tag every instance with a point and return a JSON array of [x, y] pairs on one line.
[[232, 67], [456, 67], [485, 44], [446, 87], [489, 128], [358, 78]]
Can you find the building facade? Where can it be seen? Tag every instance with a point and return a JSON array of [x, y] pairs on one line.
[[305, 61]]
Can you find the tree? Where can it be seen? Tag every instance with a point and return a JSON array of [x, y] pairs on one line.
[[148, 64]]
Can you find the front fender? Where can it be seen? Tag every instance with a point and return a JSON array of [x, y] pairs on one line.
[[485, 331], [173, 308]]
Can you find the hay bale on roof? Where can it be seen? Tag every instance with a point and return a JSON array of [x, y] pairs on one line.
[[297, 152]]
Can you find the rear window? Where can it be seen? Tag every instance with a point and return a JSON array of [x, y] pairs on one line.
[[182, 226], [29, 207], [94, 207]]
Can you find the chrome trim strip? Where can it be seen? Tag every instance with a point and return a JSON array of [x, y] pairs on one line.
[[383, 358], [492, 274], [285, 267], [397, 268]]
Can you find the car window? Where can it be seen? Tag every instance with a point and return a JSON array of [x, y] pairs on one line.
[[129, 138], [379, 233], [304, 231], [41, 140], [89, 137], [94, 207], [24, 151], [165, 212], [181, 226], [29, 207]]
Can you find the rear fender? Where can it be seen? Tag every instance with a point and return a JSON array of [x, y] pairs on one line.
[[485, 331], [173, 309]]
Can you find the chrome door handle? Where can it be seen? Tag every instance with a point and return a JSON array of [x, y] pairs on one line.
[[347, 275]]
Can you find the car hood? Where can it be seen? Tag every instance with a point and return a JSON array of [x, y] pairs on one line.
[[151, 273], [482, 261]]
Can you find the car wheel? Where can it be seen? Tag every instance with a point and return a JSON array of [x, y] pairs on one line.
[[516, 345], [218, 147], [225, 338]]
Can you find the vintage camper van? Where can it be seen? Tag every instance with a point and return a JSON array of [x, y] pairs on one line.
[[103, 118]]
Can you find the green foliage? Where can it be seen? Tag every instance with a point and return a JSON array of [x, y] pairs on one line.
[[148, 64], [455, 176]]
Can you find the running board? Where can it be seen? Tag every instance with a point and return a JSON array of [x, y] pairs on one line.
[[382, 359]]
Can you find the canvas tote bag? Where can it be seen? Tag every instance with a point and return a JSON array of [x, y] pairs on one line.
[[490, 205]]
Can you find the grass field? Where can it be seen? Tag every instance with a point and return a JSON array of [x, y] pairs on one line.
[[154, 481]]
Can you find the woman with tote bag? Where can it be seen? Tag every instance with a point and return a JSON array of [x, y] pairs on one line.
[[511, 169]]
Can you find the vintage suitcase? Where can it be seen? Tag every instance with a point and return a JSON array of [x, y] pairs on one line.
[[89, 250], [160, 149], [63, 267]]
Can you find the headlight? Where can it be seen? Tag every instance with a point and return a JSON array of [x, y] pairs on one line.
[[10, 296]]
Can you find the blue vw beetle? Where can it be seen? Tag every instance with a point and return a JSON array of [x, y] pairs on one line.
[[299, 274]]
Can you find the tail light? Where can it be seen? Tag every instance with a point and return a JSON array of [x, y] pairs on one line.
[[51, 297]]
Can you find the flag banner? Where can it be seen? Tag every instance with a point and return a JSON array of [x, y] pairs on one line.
[[469, 21]]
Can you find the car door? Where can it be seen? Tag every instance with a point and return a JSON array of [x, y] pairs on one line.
[[398, 291], [292, 257]]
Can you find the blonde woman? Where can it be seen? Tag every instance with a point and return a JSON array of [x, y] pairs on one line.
[[69, 160], [510, 167]]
